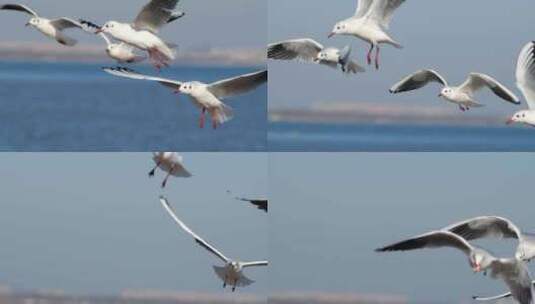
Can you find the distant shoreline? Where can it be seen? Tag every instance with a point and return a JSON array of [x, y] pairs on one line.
[[88, 53]]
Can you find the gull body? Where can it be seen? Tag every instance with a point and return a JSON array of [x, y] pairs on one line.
[[207, 97], [309, 50], [50, 28], [463, 95], [525, 81], [370, 23], [170, 162], [232, 272]]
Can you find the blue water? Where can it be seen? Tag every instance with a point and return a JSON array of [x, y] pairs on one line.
[[77, 107], [402, 138]]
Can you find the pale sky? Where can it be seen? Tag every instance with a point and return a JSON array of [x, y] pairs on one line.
[[454, 37], [230, 23]]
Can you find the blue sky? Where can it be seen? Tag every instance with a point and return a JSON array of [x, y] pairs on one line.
[[93, 224], [455, 37], [331, 210], [231, 23]]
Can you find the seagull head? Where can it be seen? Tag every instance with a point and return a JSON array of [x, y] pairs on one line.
[[480, 259], [33, 22], [339, 28], [108, 27], [445, 92], [518, 117]]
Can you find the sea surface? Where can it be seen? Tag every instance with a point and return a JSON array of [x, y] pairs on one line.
[[402, 138], [78, 107]]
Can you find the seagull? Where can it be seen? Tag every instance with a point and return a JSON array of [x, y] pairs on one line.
[[462, 95], [143, 33], [206, 97], [170, 162], [312, 51], [121, 52], [498, 227], [525, 81], [501, 296], [50, 28], [512, 271], [261, 204], [232, 272], [370, 22]]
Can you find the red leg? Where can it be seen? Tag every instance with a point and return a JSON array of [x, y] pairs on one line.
[[369, 57], [214, 124], [201, 119], [377, 57]]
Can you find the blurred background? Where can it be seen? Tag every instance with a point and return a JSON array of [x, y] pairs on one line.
[[81, 226], [331, 210]]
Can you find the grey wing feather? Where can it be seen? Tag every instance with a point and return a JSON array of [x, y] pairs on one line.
[[155, 14], [363, 7], [129, 73], [434, 239], [525, 73], [238, 85], [418, 80], [304, 49], [20, 8], [485, 226], [348, 65], [476, 81], [65, 23], [383, 10]]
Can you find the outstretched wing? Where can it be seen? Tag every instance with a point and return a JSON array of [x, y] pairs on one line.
[[253, 264], [363, 6], [238, 85], [485, 226], [304, 49], [476, 81], [383, 10], [261, 204], [129, 73], [156, 14], [20, 8], [93, 28], [434, 239], [198, 239], [65, 23], [525, 73], [418, 80]]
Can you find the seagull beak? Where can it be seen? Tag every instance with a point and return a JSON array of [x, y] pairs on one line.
[[440, 95], [509, 121], [98, 31], [330, 35], [477, 268], [27, 24]]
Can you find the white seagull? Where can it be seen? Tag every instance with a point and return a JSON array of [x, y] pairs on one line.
[[497, 227], [50, 28], [143, 33], [206, 97], [170, 162], [370, 23], [525, 81], [312, 51], [512, 271], [498, 297], [121, 52], [462, 95], [232, 273]]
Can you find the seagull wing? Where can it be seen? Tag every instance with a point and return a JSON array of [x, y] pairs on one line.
[[129, 73], [363, 6], [91, 27], [65, 23], [476, 81], [238, 85], [525, 73], [434, 239], [179, 169], [261, 204], [501, 296], [198, 239], [20, 8], [516, 276], [304, 49], [485, 226], [382, 11], [155, 14], [418, 80], [253, 264]]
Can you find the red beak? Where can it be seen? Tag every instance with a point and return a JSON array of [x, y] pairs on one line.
[[330, 35], [509, 121], [98, 31]]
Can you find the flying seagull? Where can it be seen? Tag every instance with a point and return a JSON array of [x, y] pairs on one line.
[[50, 28], [170, 162], [206, 97], [370, 22], [309, 50], [462, 95], [525, 81], [497, 227], [232, 273], [121, 52], [143, 32]]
